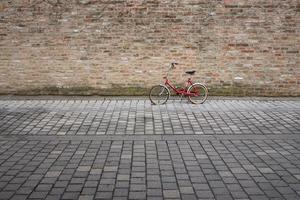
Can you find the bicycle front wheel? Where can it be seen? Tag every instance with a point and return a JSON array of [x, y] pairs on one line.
[[159, 94], [197, 93]]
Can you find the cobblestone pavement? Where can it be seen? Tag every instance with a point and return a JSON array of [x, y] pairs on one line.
[[119, 117], [127, 149]]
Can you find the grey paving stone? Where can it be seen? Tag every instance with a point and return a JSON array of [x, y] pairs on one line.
[[137, 187], [19, 197], [121, 192], [74, 188], [57, 191], [53, 197], [171, 194], [266, 170], [96, 171], [170, 186], [86, 197], [38, 195], [186, 190], [137, 195], [70, 195], [84, 168], [43, 187], [123, 177], [111, 168]]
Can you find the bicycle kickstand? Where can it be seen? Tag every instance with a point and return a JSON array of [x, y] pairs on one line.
[[181, 96]]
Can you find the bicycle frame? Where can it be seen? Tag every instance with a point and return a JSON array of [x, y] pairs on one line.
[[180, 91]]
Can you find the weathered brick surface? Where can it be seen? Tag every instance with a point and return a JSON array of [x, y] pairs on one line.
[[238, 47]]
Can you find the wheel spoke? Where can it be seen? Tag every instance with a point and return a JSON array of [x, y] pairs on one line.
[[198, 93], [159, 94]]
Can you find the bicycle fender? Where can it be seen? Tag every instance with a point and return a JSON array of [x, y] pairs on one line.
[[199, 84], [165, 87]]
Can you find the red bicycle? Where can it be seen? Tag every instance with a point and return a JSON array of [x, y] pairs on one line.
[[196, 92]]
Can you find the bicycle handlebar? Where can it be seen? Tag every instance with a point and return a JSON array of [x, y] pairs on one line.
[[171, 67]]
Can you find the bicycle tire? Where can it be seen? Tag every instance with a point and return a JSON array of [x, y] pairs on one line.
[[195, 88], [159, 94]]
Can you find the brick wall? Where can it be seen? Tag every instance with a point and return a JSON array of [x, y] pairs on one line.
[[238, 47]]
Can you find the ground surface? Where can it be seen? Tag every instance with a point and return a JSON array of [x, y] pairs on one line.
[[93, 148]]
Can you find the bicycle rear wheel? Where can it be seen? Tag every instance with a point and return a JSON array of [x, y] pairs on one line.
[[197, 93], [159, 94]]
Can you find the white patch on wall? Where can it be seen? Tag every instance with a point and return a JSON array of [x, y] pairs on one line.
[[63, 20], [238, 78], [247, 65], [124, 59], [59, 85]]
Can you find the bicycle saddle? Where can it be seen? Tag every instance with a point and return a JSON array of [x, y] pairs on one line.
[[190, 72]]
